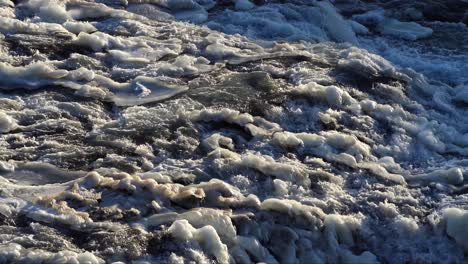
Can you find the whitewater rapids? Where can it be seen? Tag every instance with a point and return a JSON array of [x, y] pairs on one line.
[[233, 131]]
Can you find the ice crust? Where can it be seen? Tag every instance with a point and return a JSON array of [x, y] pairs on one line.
[[202, 131]]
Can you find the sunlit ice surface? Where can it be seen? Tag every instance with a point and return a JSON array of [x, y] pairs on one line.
[[233, 131]]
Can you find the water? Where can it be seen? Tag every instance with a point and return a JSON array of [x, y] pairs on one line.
[[214, 132]]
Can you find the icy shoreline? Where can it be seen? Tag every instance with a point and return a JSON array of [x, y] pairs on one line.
[[181, 131]]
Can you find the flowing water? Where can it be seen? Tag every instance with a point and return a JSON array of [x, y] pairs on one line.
[[203, 131]]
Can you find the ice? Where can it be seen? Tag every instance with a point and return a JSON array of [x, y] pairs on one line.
[[215, 141], [186, 10], [406, 30], [53, 12], [6, 123], [371, 18], [336, 26], [388, 209], [455, 220], [199, 131], [406, 226], [432, 62], [298, 211], [206, 236], [7, 3], [252, 247], [243, 5], [393, 27], [366, 64], [153, 90], [359, 28], [462, 95], [139, 91], [318, 21], [11, 25], [95, 42], [13, 252], [220, 221], [78, 27], [265, 164]]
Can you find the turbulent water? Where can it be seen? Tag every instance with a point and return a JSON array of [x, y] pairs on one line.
[[233, 131]]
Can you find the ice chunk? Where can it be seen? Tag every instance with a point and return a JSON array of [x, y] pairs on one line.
[[359, 28], [53, 12], [33, 75], [141, 90], [339, 229], [314, 21], [7, 123], [312, 215], [216, 140], [93, 41], [334, 96], [217, 219], [78, 27], [405, 226], [451, 176], [455, 220], [462, 95], [225, 114], [370, 18], [336, 26], [8, 3], [255, 249], [366, 64], [388, 209], [405, 30], [188, 10], [287, 140], [267, 165], [205, 236], [243, 5]]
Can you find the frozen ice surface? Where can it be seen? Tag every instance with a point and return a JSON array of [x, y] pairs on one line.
[[233, 131]]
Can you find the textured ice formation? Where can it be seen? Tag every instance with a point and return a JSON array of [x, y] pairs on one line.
[[316, 21], [455, 223], [393, 27], [406, 30], [234, 131]]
